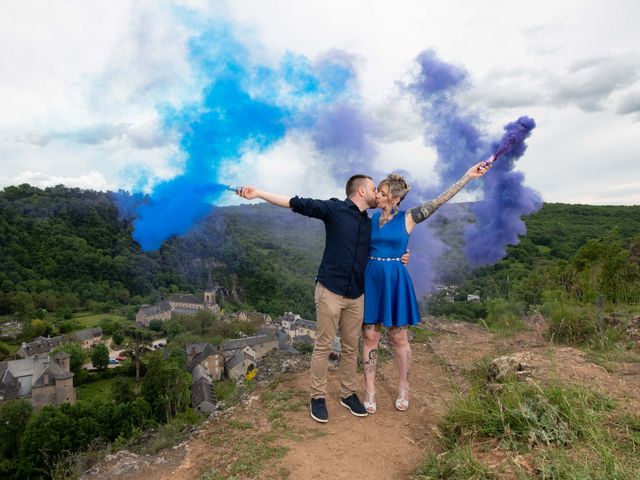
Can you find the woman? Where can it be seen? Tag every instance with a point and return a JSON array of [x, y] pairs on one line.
[[389, 298]]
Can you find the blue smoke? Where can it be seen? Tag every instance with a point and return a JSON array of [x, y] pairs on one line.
[[243, 107]]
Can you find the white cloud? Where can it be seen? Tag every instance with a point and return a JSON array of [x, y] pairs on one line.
[[91, 180], [84, 81], [290, 167]]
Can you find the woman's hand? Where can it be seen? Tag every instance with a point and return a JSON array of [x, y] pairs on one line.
[[480, 168]]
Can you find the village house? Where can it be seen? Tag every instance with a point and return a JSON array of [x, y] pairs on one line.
[[147, 313], [203, 393], [181, 304], [40, 346], [255, 347], [46, 380], [238, 365], [88, 337], [287, 319], [246, 316], [205, 356], [302, 327], [295, 326]]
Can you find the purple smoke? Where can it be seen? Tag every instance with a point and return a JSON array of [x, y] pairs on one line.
[[457, 141], [343, 134], [517, 132], [506, 200], [456, 135]]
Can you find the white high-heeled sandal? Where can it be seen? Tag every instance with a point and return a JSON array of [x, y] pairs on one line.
[[369, 402], [402, 402]]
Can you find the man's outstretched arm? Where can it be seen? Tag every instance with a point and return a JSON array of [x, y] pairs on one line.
[[252, 192]]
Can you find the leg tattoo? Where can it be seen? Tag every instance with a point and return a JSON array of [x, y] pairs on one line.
[[371, 363]]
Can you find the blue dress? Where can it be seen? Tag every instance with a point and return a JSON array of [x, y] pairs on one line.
[[389, 297]]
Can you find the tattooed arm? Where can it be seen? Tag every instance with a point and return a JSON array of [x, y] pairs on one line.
[[425, 210]]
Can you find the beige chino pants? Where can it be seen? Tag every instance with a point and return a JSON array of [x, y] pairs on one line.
[[335, 312]]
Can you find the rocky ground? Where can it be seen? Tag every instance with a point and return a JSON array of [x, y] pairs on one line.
[[271, 435]]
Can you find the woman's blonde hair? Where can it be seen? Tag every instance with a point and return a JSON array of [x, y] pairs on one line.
[[398, 186]]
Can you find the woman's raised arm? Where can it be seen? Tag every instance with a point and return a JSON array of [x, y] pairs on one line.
[[423, 211]]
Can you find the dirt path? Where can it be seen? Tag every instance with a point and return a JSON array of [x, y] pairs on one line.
[[386, 445], [271, 435]]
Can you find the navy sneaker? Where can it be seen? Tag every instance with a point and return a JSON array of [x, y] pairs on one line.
[[319, 410], [355, 406]]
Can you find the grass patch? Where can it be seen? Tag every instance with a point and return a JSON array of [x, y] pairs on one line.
[[92, 319], [240, 425], [567, 432], [249, 449], [280, 401], [456, 464], [421, 335], [172, 433], [595, 462], [254, 454], [504, 316], [577, 324], [524, 414], [100, 390], [610, 359], [243, 454]]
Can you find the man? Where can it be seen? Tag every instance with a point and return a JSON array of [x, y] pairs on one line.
[[340, 284]]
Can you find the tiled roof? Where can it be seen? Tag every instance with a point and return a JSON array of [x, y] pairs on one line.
[[240, 343], [186, 298], [156, 309], [310, 324], [236, 360], [41, 345], [88, 333], [203, 391], [204, 353]]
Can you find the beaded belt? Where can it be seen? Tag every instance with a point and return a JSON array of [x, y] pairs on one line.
[[385, 259]]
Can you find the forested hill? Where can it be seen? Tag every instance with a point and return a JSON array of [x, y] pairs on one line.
[[63, 248]]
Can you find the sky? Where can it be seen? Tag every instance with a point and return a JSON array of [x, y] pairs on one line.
[[87, 88]]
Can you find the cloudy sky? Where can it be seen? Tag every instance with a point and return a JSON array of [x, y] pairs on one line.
[[83, 87]]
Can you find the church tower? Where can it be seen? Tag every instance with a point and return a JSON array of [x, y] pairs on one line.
[[209, 292]]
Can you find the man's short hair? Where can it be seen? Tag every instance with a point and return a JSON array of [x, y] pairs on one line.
[[355, 182]]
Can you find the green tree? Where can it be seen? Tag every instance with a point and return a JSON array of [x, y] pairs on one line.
[[14, 416], [118, 336], [122, 390], [156, 325], [107, 326], [140, 341], [100, 356], [22, 302], [166, 387], [173, 328], [4, 350], [78, 355]]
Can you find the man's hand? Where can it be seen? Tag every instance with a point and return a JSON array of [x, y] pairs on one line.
[[405, 258], [249, 192], [252, 192]]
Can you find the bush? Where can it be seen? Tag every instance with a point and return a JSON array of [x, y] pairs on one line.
[[523, 415], [504, 315], [173, 432], [457, 464], [467, 311], [226, 391], [569, 322]]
